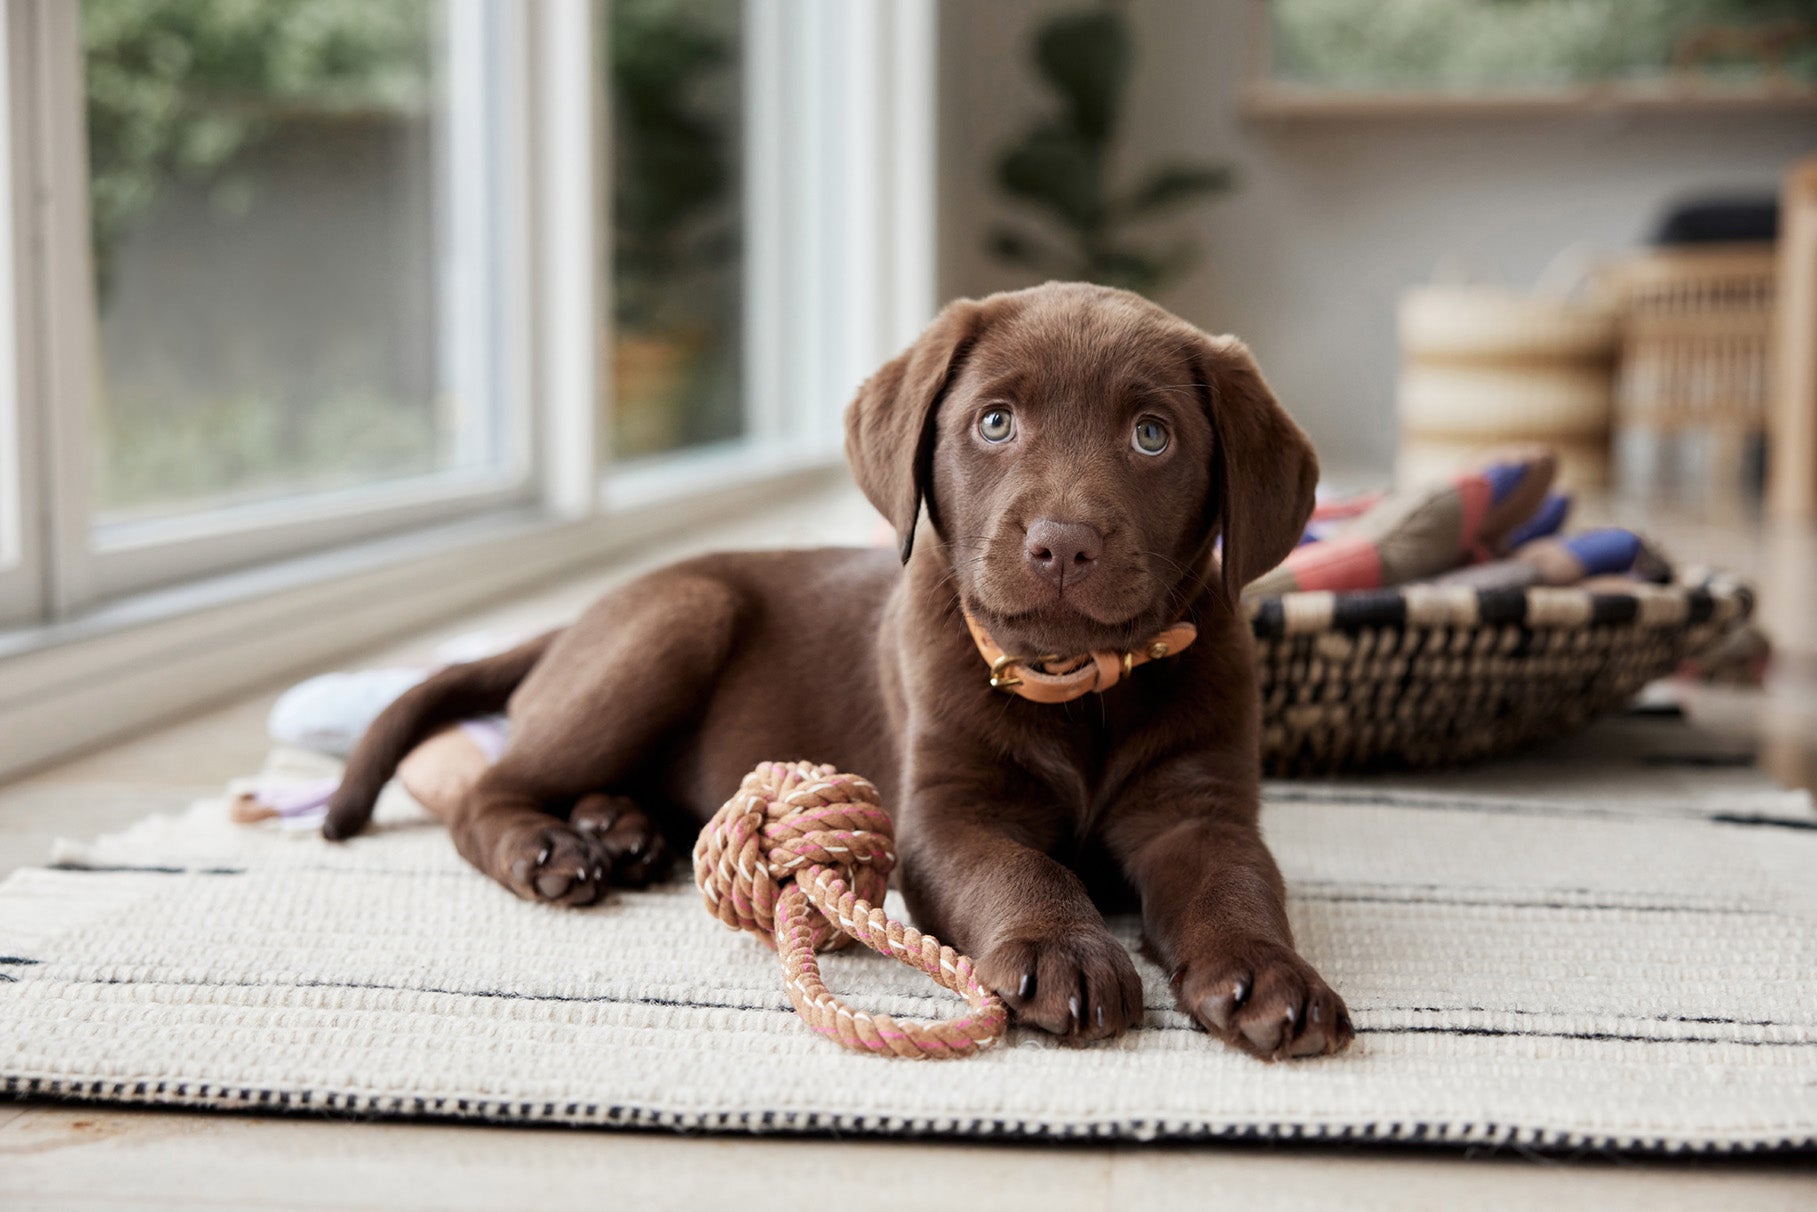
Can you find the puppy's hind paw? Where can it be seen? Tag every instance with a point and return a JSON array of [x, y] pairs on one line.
[[637, 854], [556, 864]]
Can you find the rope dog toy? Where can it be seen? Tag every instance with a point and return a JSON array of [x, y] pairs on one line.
[[801, 857]]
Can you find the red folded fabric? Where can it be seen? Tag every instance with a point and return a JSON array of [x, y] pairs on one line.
[[1415, 535]]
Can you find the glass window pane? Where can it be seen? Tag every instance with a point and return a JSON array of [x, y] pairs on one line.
[[677, 272], [276, 249]]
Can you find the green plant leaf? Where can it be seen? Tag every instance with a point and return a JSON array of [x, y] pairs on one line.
[[1008, 244], [1128, 268], [1178, 260], [1086, 57], [1174, 185], [1061, 165], [1053, 169], [673, 173]]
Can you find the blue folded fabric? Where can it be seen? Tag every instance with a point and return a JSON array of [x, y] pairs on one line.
[[1603, 551], [1548, 519]]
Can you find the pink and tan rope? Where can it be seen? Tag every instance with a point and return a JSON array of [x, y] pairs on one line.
[[801, 857]]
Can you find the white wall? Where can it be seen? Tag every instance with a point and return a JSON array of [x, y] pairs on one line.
[[1333, 218]]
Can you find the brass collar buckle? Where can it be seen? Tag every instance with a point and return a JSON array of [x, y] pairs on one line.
[[1002, 677]]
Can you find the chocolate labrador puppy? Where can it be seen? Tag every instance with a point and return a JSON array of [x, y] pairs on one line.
[[1050, 682]]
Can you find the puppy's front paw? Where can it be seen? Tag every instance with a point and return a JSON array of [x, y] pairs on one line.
[[1266, 1000], [1078, 983]]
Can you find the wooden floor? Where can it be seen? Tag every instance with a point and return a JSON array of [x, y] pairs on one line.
[[88, 1157]]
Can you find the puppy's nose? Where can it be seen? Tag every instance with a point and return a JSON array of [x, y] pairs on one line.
[[1063, 552]]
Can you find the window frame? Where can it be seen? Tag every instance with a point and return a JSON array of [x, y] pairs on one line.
[[838, 232], [92, 652], [96, 561]]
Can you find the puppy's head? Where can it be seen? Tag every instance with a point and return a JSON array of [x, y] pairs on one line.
[[1080, 450]]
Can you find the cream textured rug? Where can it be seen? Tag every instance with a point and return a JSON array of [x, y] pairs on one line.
[[1632, 969]]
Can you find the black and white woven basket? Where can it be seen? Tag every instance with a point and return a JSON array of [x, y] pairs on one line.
[[1430, 675]]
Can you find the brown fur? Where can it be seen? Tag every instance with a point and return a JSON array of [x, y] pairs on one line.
[[1017, 820]]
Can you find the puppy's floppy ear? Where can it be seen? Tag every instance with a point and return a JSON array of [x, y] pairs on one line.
[[889, 426], [1264, 469]]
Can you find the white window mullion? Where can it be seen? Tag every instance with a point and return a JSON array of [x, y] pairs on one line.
[[851, 188], [21, 543], [861, 66], [574, 331], [813, 312], [513, 279], [771, 274], [57, 290], [910, 115], [468, 198]]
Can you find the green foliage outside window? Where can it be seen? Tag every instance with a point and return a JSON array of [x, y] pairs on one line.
[[180, 90], [672, 146], [181, 96], [675, 84]]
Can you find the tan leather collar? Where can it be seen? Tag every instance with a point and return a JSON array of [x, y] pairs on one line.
[[1055, 679]]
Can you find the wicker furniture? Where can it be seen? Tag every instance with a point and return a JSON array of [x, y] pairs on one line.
[[1427, 676], [1692, 380]]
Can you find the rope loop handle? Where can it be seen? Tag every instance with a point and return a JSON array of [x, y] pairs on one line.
[[801, 857]]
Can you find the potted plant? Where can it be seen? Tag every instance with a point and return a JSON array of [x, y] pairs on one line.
[[1062, 167]]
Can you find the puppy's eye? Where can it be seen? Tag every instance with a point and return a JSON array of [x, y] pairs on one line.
[[997, 425], [1150, 436]]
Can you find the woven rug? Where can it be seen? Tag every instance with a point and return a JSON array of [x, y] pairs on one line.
[[1525, 965]]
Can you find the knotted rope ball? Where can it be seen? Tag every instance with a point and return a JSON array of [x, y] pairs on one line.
[[801, 857]]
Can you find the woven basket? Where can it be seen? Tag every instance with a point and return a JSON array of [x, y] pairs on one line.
[[1434, 676]]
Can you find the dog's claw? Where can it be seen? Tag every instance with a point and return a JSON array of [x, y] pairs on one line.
[[554, 863], [1079, 983], [1267, 1001], [631, 849]]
